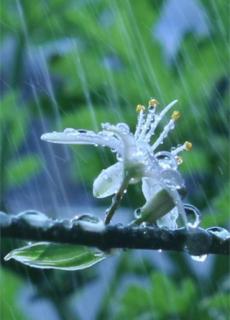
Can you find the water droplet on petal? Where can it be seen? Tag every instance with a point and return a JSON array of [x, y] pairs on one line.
[[119, 157], [69, 130], [166, 160], [82, 131], [123, 127]]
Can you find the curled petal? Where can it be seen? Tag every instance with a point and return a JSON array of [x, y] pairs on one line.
[[172, 179], [150, 187], [127, 140], [169, 220], [73, 136], [108, 181]]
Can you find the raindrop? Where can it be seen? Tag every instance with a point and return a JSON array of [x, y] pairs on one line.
[[193, 215], [134, 180], [34, 218], [166, 160], [119, 157], [69, 130], [82, 131], [137, 213], [85, 217], [220, 232], [201, 258], [106, 126], [144, 225], [123, 127]]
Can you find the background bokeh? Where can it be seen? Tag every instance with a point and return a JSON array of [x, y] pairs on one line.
[[83, 62]]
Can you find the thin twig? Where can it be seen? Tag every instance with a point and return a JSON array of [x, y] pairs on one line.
[[194, 241], [116, 201]]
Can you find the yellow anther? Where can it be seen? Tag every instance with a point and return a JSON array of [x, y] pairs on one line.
[[188, 146], [176, 115], [179, 160], [153, 103], [140, 108]]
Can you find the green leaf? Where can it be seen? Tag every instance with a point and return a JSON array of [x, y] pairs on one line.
[[46, 255], [218, 213]]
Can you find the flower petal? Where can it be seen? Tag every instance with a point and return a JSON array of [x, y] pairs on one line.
[[169, 220], [73, 136], [108, 181], [172, 179], [150, 187]]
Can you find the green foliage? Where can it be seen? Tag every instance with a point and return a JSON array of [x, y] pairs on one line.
[[19, 171], [14, 119], [12, 122], [47, 255], [166, 299], [218, 213], [10, 289]]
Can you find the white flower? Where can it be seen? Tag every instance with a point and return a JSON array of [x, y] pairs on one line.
[[138, 160]]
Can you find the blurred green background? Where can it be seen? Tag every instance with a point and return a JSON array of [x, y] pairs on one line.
[[83, 62]]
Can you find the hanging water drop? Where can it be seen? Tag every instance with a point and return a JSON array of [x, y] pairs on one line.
[[201, 258], [193, 215]]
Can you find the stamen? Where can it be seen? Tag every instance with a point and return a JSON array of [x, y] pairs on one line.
[[147, 125], [176, 115], [140, 108], [186, 146], [164, 134], [158, 118], [153, 103], [140, 121]]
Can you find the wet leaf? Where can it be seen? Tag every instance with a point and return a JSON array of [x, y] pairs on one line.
[[46, 255]]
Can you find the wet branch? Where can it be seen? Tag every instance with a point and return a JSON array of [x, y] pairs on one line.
[[194, 241]]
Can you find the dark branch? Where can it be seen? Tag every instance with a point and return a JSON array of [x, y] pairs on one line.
[[194, 241]]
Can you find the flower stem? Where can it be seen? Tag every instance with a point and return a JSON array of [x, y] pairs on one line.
[[116, 200]]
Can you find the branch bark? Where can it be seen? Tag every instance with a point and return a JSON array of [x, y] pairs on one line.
[[193, 241]]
